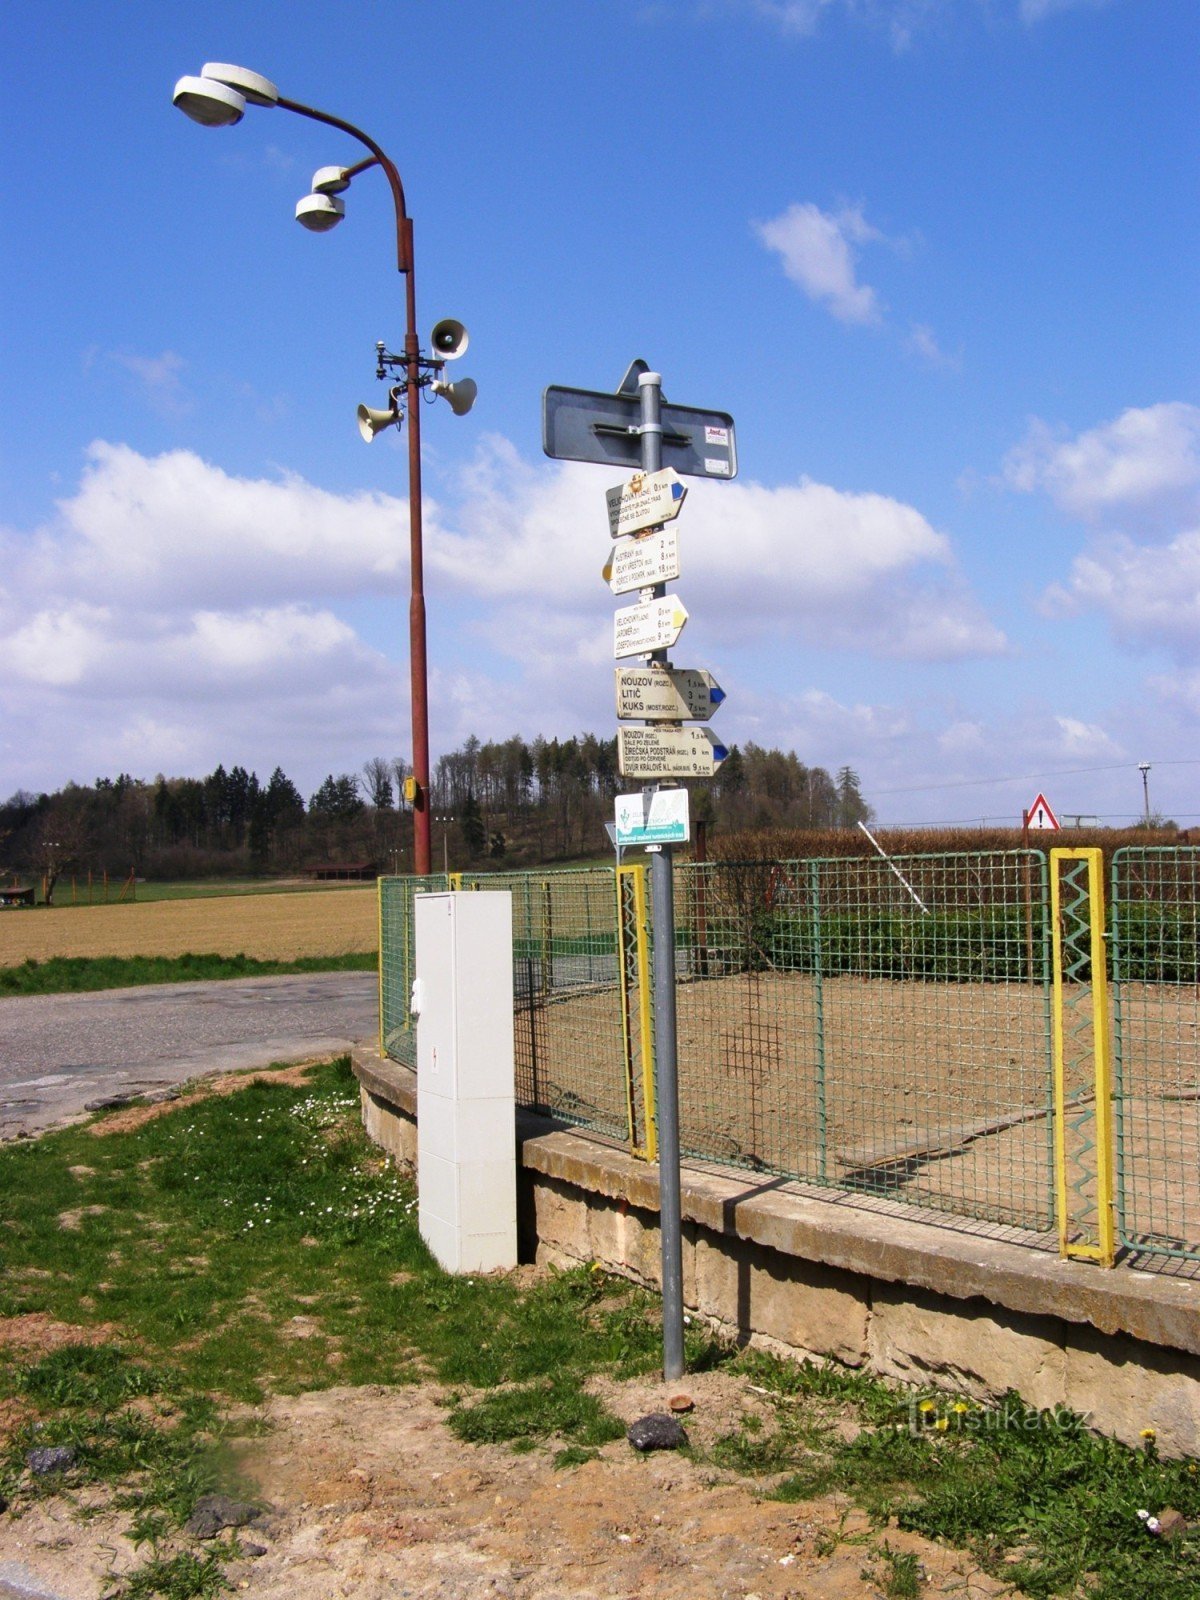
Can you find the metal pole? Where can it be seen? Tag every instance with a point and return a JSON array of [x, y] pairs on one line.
[[418, 669], [1144, 769], [662, 901]]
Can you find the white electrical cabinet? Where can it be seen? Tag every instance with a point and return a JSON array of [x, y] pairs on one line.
[[466, 1110]]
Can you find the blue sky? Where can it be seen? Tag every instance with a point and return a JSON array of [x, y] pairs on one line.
[[937, 257]]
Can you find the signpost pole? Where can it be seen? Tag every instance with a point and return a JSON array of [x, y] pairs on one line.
[[662, 900]]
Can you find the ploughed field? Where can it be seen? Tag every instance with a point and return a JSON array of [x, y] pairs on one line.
[[267, 927]]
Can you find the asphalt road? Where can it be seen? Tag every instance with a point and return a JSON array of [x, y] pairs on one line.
[[60, 1054]]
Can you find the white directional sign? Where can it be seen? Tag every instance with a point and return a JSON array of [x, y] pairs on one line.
[[667, 694], [650, 625], [668, 752], [638, 563], [646, 500], [656, 816]]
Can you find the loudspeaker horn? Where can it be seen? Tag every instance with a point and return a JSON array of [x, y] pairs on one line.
[[449, 339], [461, 395], [371, 421]]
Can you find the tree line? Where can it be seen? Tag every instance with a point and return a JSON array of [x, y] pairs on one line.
[[511, 802]]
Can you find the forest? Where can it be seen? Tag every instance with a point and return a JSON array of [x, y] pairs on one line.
[[508, 803]]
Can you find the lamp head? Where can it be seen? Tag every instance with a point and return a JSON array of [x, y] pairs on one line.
[[330, 180], [211, 104], [254, 89], [320, 212]]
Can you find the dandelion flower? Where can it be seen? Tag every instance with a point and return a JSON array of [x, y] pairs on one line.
[[926, 1406], [942, 1424]]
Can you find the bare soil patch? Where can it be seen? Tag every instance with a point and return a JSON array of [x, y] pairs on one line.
[[224, 1083], [371, 1496], [282, 927]]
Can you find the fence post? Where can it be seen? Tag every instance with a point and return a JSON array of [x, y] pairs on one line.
[[814, 883], [1082, 1056]]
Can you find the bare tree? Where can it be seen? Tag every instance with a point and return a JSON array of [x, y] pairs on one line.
[[59, 841], [377, 776]]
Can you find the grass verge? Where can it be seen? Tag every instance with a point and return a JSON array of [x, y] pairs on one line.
[[179, 1252], [80, 974]]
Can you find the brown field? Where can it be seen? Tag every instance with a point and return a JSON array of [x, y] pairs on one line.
[[279, 927]]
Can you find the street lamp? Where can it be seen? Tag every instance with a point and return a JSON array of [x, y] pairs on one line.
[[218, 98]]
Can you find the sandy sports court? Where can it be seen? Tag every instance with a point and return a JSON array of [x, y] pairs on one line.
[[268, 927]]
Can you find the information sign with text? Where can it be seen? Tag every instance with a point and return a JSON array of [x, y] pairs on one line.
[[639, 563], [650, 625], [667, 694], [646, 500], [655, 816], [668, 752]]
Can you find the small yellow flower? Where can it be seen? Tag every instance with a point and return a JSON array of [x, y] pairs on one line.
[[942, 1424], [1147, 1433], [961, 1407], [926, 1406]]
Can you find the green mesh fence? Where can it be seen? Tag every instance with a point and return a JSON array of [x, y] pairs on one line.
[[882, 1028], [1156, 1000], [567, 998], [397, 962]]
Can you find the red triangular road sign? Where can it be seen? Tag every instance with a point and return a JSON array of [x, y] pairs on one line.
[[1041, 816]]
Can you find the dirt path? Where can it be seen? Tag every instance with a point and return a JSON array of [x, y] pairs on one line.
[[374, 1498]]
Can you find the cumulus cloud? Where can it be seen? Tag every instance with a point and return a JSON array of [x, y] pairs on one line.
[[1141, 470], [170, 600], [841, 570], [1150, 594], [817, 249]]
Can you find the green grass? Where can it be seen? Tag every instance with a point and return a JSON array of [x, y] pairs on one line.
[[190, 889], [77, 974], [1038, 1500], [201, 1235]]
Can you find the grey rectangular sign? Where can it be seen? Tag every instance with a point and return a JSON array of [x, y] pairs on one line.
[[589, 425]]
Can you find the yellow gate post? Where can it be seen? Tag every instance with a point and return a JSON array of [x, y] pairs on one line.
[[637, 1013], [1083, 1107]]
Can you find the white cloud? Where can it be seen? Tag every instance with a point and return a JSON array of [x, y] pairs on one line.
[[817, 251], [1084, 740], [1033, 11], [922, 342], [174, 530], [1141, 470], [173, 607], [160, 377], [1149, 594], [902, 20], [834, 569]]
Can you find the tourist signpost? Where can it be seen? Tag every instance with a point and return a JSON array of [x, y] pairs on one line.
[[637, 429], [667, 694], [641, 563]]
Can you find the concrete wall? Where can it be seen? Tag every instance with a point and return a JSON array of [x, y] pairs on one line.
[[813, 1274]]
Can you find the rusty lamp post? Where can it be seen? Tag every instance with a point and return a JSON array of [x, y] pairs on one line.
[[218, 98]]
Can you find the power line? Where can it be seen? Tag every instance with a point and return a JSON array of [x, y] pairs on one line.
[[1027, 777]]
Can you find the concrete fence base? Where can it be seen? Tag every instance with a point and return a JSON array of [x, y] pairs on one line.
[[810, 1274]]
